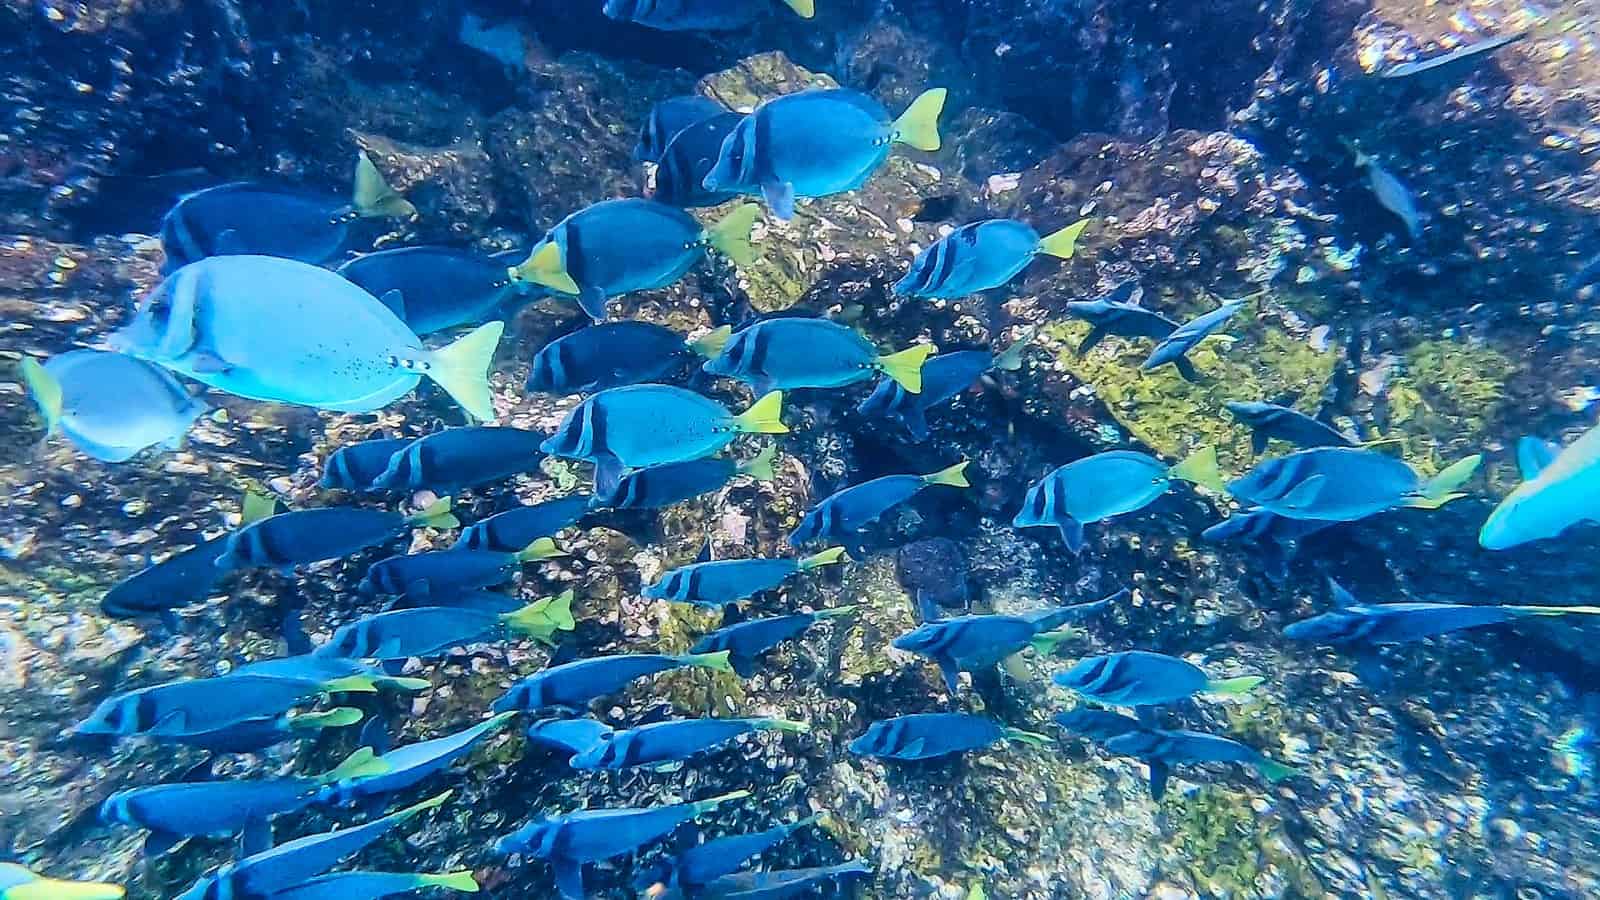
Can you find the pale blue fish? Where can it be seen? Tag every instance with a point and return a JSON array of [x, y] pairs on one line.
[[428, 631], [1343, 484], [799, 352], [572, 685], [109, 405], [692, 869], [843, 514], [672, 741], [255, 735], [1141, 678], [943, 377], [1173, 348], [1392, 195], [402, 767], [1558, 491], [18, 883], [1461, 58], [1115, 312], [929, 735], [1160, 749], [1108, 484]]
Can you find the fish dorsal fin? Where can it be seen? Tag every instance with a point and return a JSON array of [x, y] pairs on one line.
[[704, 556], [1342, 598], [1533, 455]]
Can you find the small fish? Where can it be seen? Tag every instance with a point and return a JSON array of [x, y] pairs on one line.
[[434, 288], [1343, 484], [843, 515], [1161, 749], [258, 220], [746, 641], [255, 735], [929, 735], [305, 536], [781, 883], [974, 643], [1141, 678], [1558, 491], [673, 741], [1461, 58], [428, 631], [220, 322], [181, 579], [669, 483], [1115, 313], [689, 158], [699, 15], [614, 354], [794, 352], [405, 766], [17, 883], [353, 468], [1173, 348], [109, 405], [669, 117], [1269, 420], [572, 685], [717, 584], [1098, 724], [1108, 484], [1589, 274], [443, 573], [458, 458], [514, 529], [616, 247], [981, 256], [1267, 530], [818, 142], [1392, 195], [372, 885], [689, 871], [1351, 622], [570, 841], [943, 377]]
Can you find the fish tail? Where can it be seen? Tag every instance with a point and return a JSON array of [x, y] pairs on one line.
[[730, 236], [1011, 359], [717, 662], [828, 557], [1558, 610], [905, 367], [462, 369], [545, 266], [46, 391], [1045, 643], [338, 717], [951, 476], [1423, 501], [765, 416], [436, 515], [785, 725], [364, 763], [549, 614], [1453, 476], [455, 881], [257, 505], [433, 802], [838, 612], [918, 126], [805, 9], [711, 803], [353, 684], [402, 684], [1031, 738], [1274, 771], [373, 198], [711, 343], [1244, 684], [1200, 467], [54, 889], [759, 466], [543, 548], [1062, 244]]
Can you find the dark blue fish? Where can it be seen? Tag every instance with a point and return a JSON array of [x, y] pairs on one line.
[[797, 352], [747, 640], [354, 467], [1392, 195], [1161, 749], [1142, 678], [405, 766], [570, 841], [657, 486], [699, 15], [1269, 420], [1351, 622], [1589, 274], [1268, 531], [929, 735], [1463, 57], [305, 536], [1114, 483], [717, 584], [691, 870], [372, 885], [689, 158], [434, 288], [456, 458], [572, 685], [781, 883], [650, 424], [844, 514], [673, 741], [1187, 337], [1115, 313], [443, 573], [943, 377], [982, 256], [1343, 484], [974, 643], [1098, 724], [255, 735], [668, 117], [614, 354], [514, 529], [429, 631]]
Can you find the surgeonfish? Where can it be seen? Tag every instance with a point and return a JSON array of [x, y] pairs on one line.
[[688, 158], [1097, 724], [221, 322], [255, 735], [669, 117], [570, 736], [795, 352], [746, 641], [974, 643], [982, 256], [1353, 623], [572, 685], [1141, 678], [373, 885], [1268, 421], [1343, 484], [818, 142], [514, 529], [1161, 749], [18, 883], [777, 884], [464, 457], [405, 766], [1186, 337], [441, 573], [1115, 313], [1558, 491], [109, 405], [669, 483], [1269, 532], [305, 536], [672, 741], [929, 735], [842, 515], [716, 584], [1392, 194], [1462, 57], [615, 354], [692, 869], [434, 288], [943, 377], [699, 15], [354, 466], [1108, 484], [428, 631]]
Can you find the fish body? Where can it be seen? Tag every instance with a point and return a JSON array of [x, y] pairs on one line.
[[673, 741], [689, 157], [255, 735], [981, 256], [1354, 623], [669, 117], [782, 883], [697, 15], [1161, 749], [1115, 313], [1460, 58], [256, 220], [943, 377], [845, 513], [158, 588], [651, 424], [405, 766], [433, 288], [1553, 496], [1097, 724], [353, 467], [974, 643], [443, 573], [1392, 194], [457, 458], [421, 632], [572, 685], [109, 405], [219, 321], [1333, 484], [747, 640], [613, 354], [929, 735], [703, 863], [1259, 525], [1174, 347], [1268, 421], [669, 483], [18, 883], [1142, 678], [719, 583], [795, 352], [514, 529], [372, 885], [1104, 485], [304, 536]]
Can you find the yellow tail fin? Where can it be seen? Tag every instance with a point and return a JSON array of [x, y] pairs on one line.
[[373, 197], [46, 391], [543, 618], [730, 236], [918, 126], [437, 515], [433, 802], [759, 466], [1200, 468], [954, 476], [716, 662], [804, 8], [765, 416], [462, 369], [905, 367], [828, 557], [1453, 476], [1426, 502], [455, 881], [338, 717], [545, 266], [54, 889], [543, 548], [364, 763], [711, 343], [1063, 243], [257, 505], [1244, 684]]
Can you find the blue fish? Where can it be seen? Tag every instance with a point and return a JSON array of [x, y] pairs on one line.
[[305, 536], [1142, 678], [1354, 623], [616, 247], [982, 256], [1557, 492], [1269, 420], [434, 288], [570, 841], [1585, 276], [353, 468], [974, 643], [1343, 484], [1174, 346], [255, 735], [614, 354], [818, 142], [1098, 487], [1392, 194], [655, 487], [109, 405], [781, 883], [794, 352], [372, 885], [724, 581], [1268, 531], [514, 529], [405, 766], [458, 458], [571, 736], [220, 322], [429, 631], [1097, 724], [746, 641], [1161, 749], [943, 377], [673, 741], [18, 883], [929, 735], [698, 15], [691, 870], [669, 117], [1115, 313], [258, 220], [1460, 58], [572, 685], [443, 573], [843, 515], [688, 158]]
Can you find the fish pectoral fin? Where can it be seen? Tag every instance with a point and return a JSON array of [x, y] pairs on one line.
[[159, 842], [1258, 442], [1305, 494], [1159, 772], [204, 362], [593, 301], [780, 198], [396, 303], [1095, 336], [256, 837], [1072, 534], [914, 750], [569, 877], [1186, 369], [951, 672], [228, 243]]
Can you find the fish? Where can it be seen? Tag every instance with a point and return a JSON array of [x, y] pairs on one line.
[[245, 219], [974, 643], [1355, 623], [18, 883], [1344, 484], [688, 158], [1585, 276], [1392, 194], [615, 354], [718, 583], [1556, 493], [982, 256], [1268, 421], [663, 485], [1460, 58], [293, 862], [372, 885], [428, 631], [943, 377], [699, 15], [689, 871], [197, 706], [305, 536], [406, 766], [1097, 724], [1116, 313], [572, 685], [175, 812], [794, 352], [1141, 678], [458, 458], [353, 467], [843, 514], [673, 741], [616, 247], [442, 573], [1186, 337], [1161, 749], [929, 735], [746, 641], [818, 142], [646, 425], [111, 406], [572, 736], [514, 529], [432, 289], [570, 841], [217, 321], [255, 735], [1099, 487], [1268, 531], [669, 117], [780, 883]]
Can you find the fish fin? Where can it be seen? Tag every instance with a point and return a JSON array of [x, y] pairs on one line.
[[785, 725], [395, 302], [717, 662], [1431, 502], [1148, 716], [1258, 442], [373, 198], [1010, 359], [1244, 684], [759, 466], [765, 416], [780, 199], [1046, 642], [1032, 738], [1341, 597], [914, 750], [390, 667], [569, 877], [352, 684], [560, 609], [593, 301], [805, 9], [704, 555], [363, 763], [744, 666], [905, 367], [256, 836], [918, 126], [730, 236], [257, 505], [1159, 772], [46, 391], [208, 363], [951, 672], [1274, 771], [927, 606], [543, 616], [375, 734], [545, 266], [455, 881], [1186, 370], [608, 472], [1558, 610], [711, 803], [543, 548], [1072, 533], [1451, 477], [200, 771], [462, 369], [1305, 493], [1062, 244], [1200, 467], [1533, 455], [293, 629], [338, 717], [953, 476], [227, 243], [710, 344], [156, 843], [828, 557], [436, 515], [1095, 336], [916, 423]]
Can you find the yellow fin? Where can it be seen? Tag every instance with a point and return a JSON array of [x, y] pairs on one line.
[[711, 343], [1244, 684], [545, 266], [373, 197], [1063, 243], [364, 763], [805, 9], [462, 369], [765, 416], [905, 367], [730, 236], [953, 476], [759, 466], [46, 391], [54, 889], [918, 126], [1200, 467], [828, 557], [543, 618], [433, 802], [543, 548], [338, 717], [350, 684], [437, 515], [1452, 477], [455, 881], [717, 662], [1425, 502], [257, 505]]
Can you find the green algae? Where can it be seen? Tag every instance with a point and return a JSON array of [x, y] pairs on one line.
[[1447, 397]]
